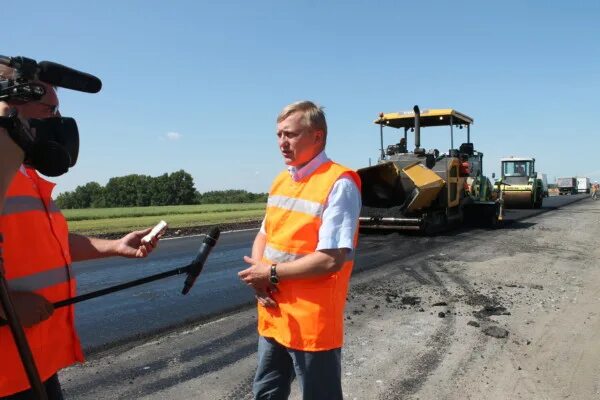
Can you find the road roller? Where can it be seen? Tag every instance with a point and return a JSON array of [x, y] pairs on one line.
[[520, 185], [425, 190]]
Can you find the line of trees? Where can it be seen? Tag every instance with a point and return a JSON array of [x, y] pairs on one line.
[[176, 188]]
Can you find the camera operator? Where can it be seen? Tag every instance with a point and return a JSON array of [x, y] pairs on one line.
[[37, 253]]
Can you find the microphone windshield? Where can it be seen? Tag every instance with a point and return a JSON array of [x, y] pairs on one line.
[[59, 75], [196, 266], [213, 234]]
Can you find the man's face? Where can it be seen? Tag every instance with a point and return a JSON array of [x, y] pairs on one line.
[[298, 144], [46, 107]]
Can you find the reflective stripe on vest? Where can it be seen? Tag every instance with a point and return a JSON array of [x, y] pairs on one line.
[[21, 204], [298, 205], [279, 256], [309, 312], [41, 280]]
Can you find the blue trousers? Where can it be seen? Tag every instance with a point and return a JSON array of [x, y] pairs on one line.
[[319, 372]]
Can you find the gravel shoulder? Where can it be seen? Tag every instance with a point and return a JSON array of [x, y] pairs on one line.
[[506, 314]]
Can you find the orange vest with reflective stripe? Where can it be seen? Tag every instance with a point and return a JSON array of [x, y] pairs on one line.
[[310, 312], [37, 259]]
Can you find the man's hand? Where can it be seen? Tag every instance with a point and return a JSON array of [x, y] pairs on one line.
[[4, 109], [131, 244], [265, 299], [30, 307], [89, 248], [257, 277]]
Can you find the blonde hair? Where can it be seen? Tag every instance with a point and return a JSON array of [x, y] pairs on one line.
[[313, 115]]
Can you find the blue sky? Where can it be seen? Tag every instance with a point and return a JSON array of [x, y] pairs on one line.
[[198, 85]]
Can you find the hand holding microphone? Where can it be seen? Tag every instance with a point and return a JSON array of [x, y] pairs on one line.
[[193, 270]]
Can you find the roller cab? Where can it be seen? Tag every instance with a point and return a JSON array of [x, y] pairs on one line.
[[520, 186]]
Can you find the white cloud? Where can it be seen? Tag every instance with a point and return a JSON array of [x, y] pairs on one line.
[[173, 136]]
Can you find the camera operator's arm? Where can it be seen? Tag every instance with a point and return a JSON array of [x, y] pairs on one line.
[[130, 245], [31, 307], [11, 157]]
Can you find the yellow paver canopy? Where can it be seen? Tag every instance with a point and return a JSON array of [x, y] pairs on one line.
[[433, 117]]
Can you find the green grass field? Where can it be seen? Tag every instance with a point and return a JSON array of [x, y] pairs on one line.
[[111, 220]]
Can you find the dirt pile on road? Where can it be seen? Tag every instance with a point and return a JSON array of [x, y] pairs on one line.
[[519, 319]]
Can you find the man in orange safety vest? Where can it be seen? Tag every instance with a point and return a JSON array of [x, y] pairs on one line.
[[301, 262]]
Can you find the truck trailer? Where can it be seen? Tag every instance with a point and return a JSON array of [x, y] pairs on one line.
[[566, 185]]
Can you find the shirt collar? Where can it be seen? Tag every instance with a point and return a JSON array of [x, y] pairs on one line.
[[310, 167]]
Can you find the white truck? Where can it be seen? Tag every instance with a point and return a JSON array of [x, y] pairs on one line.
[[544, 179], [583, 184]]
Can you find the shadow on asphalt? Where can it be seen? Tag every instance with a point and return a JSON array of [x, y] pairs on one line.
[[515, 225]]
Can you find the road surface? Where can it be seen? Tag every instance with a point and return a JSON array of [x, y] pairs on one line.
[[157, 307]]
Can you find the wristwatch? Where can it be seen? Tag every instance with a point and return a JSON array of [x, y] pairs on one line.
[[274, 279]]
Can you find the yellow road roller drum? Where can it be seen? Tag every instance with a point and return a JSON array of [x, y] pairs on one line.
[[517, 197]]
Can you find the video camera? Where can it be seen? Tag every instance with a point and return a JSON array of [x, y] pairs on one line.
[[51, 145]]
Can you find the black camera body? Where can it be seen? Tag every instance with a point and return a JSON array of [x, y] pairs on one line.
[[51, 145]]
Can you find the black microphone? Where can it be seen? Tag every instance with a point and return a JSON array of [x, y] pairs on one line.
[[196, 267], [69, 78]]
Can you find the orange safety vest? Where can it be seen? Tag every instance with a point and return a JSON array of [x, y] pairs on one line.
[[310, 312], [37, 259]]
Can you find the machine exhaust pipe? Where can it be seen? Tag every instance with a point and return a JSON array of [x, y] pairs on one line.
[[417, 128]]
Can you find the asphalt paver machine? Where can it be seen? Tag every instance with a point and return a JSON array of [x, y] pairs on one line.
[[426, 190]]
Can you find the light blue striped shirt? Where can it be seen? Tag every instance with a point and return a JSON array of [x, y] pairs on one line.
[[341, 212]]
